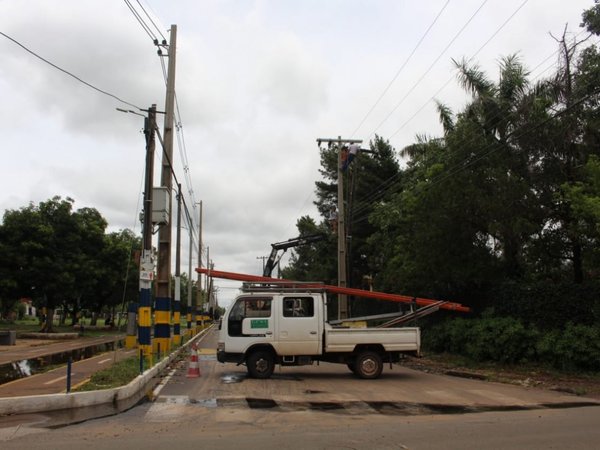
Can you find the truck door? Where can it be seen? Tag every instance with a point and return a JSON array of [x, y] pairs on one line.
[[299, 326], [250, 317]]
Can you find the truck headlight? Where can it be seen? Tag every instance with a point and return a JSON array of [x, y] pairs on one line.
[[221, 346]]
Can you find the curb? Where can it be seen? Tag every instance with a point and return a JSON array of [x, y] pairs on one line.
[[135, 390]]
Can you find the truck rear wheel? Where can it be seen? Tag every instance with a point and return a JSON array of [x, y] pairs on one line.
[[260, 364], [368, 365]]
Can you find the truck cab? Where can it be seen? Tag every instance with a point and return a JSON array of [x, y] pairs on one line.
[[289, 324]]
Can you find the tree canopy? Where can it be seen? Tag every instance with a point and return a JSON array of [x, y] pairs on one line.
[[60, 256]]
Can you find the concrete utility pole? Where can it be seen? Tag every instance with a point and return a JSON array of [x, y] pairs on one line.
[[177, 303], [147, 261], [341, 229], [264, 258], [162, 327], [197, 310], [189, 292]]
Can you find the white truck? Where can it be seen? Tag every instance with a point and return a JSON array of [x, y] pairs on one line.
[[269, 325]]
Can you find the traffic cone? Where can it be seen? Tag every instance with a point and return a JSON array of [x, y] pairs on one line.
[[193, 368]]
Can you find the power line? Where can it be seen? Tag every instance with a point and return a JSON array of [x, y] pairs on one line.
[[401, 67], [380, 191], [152, 21], [69, 73], [430, 67], [471, 58], [141, 21]]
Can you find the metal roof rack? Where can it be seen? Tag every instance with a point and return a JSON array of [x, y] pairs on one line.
[[283, 286]]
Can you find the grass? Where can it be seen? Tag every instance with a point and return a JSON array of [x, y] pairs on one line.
[[119, 374]]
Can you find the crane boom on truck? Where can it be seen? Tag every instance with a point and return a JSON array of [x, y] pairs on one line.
[[273, 260]]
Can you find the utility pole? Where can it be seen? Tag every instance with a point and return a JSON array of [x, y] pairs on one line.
[[341, 217], [264, 258], [147, 261], [208, 280], [177, 303], [162, 326], [197, 310], [189, 292], [211, 308]]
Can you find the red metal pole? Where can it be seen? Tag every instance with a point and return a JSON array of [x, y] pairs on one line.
[[336, 289]]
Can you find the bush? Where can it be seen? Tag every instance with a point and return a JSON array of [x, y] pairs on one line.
[[577, 347], [508, 340], [550, 306], [501, 339], [450, 336]]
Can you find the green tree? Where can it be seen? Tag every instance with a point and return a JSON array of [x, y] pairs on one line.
[[113, 273], [315, 261], [61, 256]]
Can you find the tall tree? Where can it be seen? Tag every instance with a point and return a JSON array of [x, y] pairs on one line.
[[50, 246]]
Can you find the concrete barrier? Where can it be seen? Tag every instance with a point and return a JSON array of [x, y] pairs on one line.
[[135, 390]]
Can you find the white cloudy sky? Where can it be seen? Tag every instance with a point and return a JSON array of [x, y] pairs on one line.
[[257, 83]]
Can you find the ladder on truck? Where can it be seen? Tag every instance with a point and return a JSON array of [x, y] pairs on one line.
[[422, 306]]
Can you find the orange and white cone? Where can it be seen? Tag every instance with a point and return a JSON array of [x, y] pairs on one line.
[[193, 368]]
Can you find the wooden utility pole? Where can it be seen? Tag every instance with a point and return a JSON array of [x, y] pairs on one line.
[[341, 225], [162, 327]]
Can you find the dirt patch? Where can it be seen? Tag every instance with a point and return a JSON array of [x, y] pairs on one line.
[[586, 385]]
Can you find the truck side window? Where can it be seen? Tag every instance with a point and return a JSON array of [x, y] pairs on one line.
[[298, 307], [247, 307]]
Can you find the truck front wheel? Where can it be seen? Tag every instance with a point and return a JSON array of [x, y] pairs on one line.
[[260, 364], [368, 365]]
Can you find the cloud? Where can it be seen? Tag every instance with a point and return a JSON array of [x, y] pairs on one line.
[[290, 80]]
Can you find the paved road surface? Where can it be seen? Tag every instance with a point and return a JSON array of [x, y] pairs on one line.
[[325, 407], [333, 386]]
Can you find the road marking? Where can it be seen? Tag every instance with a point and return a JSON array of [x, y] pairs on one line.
[[56, 380], [104, 361], [207, 351]]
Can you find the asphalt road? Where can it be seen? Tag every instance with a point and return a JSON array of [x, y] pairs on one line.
[[325, 407]]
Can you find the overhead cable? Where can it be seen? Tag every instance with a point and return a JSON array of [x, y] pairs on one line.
[[413, 87], [401, 67], [69, 73]]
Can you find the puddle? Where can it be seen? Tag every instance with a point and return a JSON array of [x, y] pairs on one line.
[[25, 368], [229, 378], [326, 406], [261, 403]]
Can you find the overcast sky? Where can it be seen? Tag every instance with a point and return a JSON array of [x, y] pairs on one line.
[[257, 82]]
